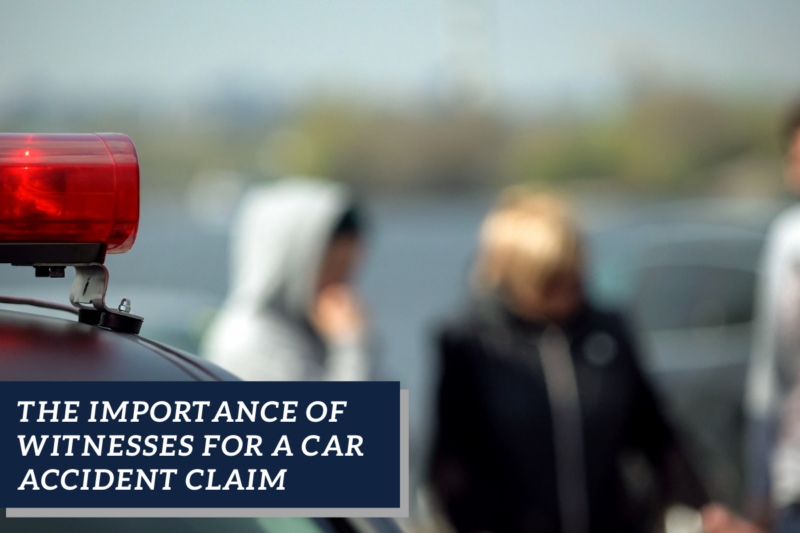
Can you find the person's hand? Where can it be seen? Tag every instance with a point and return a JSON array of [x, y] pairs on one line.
[[719, 519], [337, 314]]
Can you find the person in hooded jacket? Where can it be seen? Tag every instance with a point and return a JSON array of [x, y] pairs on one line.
[[541, 394], [292, 312]]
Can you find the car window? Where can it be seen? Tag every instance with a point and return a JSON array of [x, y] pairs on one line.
[[691, 296]]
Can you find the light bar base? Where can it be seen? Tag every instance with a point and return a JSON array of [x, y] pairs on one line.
[[29, 254]]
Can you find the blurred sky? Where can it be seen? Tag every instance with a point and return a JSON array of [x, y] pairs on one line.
[[541, 52]]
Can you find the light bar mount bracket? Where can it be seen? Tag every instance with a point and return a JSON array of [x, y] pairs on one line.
[[88, 294]]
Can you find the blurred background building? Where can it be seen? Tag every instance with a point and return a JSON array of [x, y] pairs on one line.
[[660, 119]]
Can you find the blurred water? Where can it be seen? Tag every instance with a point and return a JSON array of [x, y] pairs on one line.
[[416, 274]]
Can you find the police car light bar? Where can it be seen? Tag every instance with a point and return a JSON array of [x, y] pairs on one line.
[[67, 198]]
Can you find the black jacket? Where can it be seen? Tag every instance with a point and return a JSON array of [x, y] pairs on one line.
[[494, 466]]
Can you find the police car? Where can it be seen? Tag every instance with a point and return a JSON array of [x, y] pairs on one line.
[[66, 201]]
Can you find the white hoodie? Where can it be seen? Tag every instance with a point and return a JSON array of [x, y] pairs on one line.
[[262, 332]]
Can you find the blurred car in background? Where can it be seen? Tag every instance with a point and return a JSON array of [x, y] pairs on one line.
[[687, 273]]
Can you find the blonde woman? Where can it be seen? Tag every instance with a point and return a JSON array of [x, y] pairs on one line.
[[541, 393]]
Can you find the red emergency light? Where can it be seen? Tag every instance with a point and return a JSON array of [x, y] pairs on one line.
[[67, 189]]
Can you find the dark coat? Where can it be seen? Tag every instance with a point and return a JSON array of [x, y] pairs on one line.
[[494, 466]]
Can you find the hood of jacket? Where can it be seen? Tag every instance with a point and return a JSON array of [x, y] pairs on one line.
[[279, 240]]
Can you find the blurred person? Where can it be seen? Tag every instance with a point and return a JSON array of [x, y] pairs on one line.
[[292, 312], [541, 394], [773, 391]]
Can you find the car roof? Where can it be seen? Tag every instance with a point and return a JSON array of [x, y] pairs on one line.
[[40, 348], [745, 213], [709, 232]]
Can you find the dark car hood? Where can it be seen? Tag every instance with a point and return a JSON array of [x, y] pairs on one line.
[[38, 348]]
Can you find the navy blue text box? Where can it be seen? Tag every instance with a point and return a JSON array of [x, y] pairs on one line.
[[371, 480]]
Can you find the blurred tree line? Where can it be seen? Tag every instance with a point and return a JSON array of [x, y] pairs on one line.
[[658, 141]]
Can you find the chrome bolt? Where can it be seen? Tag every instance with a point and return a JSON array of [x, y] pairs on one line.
[[125, 306]]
